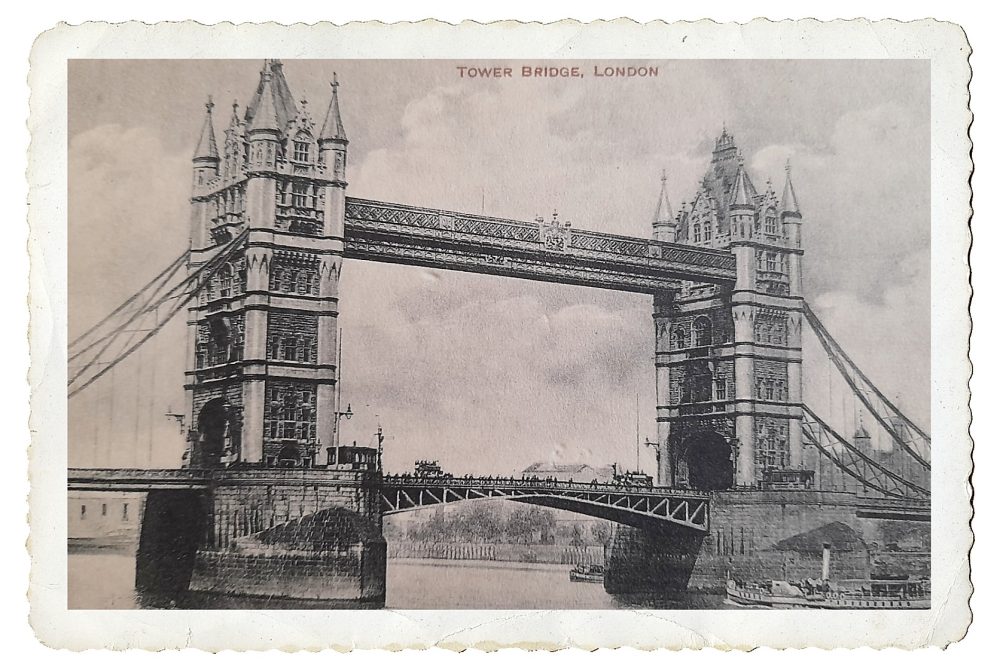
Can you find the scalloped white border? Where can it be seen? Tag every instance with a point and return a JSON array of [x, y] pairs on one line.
[[946, 47]]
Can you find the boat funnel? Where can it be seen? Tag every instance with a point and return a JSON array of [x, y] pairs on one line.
[[826, 561]]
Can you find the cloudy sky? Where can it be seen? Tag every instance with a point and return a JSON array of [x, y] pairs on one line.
[[485, 373]]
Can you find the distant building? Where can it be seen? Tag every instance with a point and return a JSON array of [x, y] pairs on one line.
[[99, 518], [578, 472]]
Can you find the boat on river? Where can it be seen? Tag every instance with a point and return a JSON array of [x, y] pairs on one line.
[[904, 594], [587, 573], [900, 592]]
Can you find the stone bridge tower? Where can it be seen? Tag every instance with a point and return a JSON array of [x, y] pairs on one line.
[[729, 362], [262, 336]]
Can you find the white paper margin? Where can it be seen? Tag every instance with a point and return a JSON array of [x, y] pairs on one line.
[[947, 620]]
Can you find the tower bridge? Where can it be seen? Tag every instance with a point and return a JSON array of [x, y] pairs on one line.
[[262, 479]]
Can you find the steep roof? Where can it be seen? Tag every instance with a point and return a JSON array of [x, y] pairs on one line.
[[664, 212], [562, 468], [742, 193], [273, 101], [206, 143], [333, 126], [789, 203], [839, 535]]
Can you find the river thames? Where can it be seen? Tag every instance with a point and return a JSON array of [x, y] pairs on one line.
[[105, 580]]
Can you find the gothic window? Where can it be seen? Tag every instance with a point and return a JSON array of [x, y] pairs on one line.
[[702, 332], [779, 390], [300, 195], [290, 414], [770, 223], [288, 349], [679, 338], [275, 348], [226, 280], [220, 344], [302, 282], [768, 389], [300, 350], [720, 388], [772, 262], [697, 232], [300, 152], [285, 280], [708, 231]]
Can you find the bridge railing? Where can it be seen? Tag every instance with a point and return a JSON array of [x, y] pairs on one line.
[[528, 483]]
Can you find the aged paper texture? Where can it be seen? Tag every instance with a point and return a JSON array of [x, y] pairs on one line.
[[567, 335]]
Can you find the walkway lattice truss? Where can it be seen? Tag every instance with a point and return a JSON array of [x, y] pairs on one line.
[[636, 507]]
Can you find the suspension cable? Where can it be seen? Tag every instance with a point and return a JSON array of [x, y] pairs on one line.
[[206, 272], [841, 360], [177, 262]]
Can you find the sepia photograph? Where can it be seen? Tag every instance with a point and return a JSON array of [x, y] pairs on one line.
[[473, 334]]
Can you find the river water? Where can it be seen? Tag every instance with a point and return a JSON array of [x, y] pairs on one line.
[[105, 580]]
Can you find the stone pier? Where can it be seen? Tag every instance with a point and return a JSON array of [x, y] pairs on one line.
[[761, 535], [267, 533]]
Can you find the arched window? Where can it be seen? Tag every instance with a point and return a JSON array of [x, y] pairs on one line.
[[300, 149], [720, 388], [288, 349], [708, 231], [702, 332], [768, 389], [284, 281], [697, 232], [300, 350], [226, 280], [302, 282], [770, 223], [680, 338]]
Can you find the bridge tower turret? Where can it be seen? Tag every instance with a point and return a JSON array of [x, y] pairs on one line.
[[729, 359], [262, 336]]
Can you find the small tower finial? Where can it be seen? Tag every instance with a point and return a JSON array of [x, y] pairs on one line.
[[789, 202], [206, 149], [663, 176], [333, 126]]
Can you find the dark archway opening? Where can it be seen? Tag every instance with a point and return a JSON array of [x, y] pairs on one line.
[[212, 420], [709, 462], [289, 457]]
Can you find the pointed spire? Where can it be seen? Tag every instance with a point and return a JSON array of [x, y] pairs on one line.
[[789, 203], [664, 212], [265, 116], [234, 120], [333, 126], [272, 80], [207, 149], [743, 192], [861, 432]]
